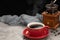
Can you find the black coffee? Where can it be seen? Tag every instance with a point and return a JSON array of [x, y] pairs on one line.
[[35, 26]]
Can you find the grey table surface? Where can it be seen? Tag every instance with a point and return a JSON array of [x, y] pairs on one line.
[[15, 33]]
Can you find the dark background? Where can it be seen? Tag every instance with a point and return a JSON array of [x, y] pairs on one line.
[[15, 7]]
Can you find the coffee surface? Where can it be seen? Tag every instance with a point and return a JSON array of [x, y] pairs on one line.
[[35, 26]]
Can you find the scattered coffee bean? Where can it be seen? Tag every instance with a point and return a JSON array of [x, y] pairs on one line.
[[59, 33], [55, 34], [51, 31], [56, 30]]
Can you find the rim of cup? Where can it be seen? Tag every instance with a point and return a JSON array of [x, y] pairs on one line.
[[33, 23]]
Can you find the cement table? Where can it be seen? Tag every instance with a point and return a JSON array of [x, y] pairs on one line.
[[15, 33]]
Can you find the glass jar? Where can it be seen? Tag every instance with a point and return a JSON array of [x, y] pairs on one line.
[[51, 8]]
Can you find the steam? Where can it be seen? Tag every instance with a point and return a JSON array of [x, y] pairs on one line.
[[54, 1]]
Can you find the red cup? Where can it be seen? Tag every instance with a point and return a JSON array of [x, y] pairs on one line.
[[38, 31]]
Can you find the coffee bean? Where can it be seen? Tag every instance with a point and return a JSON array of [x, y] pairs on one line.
[[59, 33], [55, 34], [51, 31], [56, 30]]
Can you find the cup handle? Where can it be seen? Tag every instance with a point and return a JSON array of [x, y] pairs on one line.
[[47, 27]]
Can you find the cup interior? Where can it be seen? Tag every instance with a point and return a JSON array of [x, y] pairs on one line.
[[35, 25]]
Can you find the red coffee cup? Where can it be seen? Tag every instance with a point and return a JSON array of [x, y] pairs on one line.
[[37, 31]]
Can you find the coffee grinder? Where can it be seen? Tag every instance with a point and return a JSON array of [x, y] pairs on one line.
[[51, 15]]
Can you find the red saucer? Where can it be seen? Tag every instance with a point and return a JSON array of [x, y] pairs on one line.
[[26, 33]]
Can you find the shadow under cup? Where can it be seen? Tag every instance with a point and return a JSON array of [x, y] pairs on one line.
[[35, 30]]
